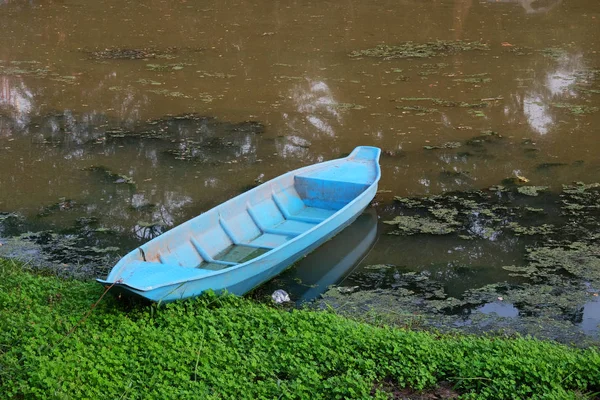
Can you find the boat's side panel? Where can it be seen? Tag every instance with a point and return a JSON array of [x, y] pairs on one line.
[[241, 280], [265, 213]]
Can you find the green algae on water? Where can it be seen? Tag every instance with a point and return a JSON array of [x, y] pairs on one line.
[[576, 109], [132, 54], [447, 145], [410, 225], [110, 176], [419, 50], [347, 106], [544, 291], [555, 53], [531, 190]]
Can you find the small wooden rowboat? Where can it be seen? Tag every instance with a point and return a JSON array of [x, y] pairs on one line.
[[253, 237]]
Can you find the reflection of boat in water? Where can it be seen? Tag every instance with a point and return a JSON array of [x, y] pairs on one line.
[[333, 261]]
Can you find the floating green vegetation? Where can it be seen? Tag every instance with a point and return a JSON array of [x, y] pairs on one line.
[[30, 68], [531, 190], [68, 79], [449, 103], [555, 53], [519, 50], [518, 230], [418, 109], [347, 106], [477, 113], [587, 90], [434, 66], [419, 50], [550, 165], [132, 54], [290, 78], [6, 215], [166, 67], [169, 93], [110, 176], [473, 80], [576, 109], [77, 255], [63, 204], [220, 75], [447, 145], [410, 225], [149, 82], [543, 292], [485, 137]]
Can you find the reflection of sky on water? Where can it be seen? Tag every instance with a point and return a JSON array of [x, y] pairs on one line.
[[591, 316], [532, 6], [16, 99], [316, 116], [537, 113], [506, 310], [557, 84]]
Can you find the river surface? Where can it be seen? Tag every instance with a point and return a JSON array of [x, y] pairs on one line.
[[128, 118]]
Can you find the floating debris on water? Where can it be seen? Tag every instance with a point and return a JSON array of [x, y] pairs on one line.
[[280, 296], [166, 67], [347, 106], [531, 190], [110, 176], [132, 54], [63, 204], [555, 53], [30, 68], [447, 145], [576, 109], [419, 50]]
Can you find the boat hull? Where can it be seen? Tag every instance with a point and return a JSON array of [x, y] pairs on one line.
[[242, 278]]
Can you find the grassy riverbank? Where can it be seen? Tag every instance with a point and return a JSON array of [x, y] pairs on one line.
[[233, 348]]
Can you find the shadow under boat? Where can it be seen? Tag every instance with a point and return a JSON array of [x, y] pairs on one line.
[[329, 264]]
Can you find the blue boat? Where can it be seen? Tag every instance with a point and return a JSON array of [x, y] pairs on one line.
[[253, 237]]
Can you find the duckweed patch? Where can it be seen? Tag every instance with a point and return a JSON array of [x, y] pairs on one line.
[[30, 68], [348, 106], [418, 109], [555, 53], [447, 145], [169, 93], [531, 190], [547, 291], [132, 54], [63, 204], [419, 50], [450, 103], [576, 109], [110, 176], [410, 225], [166, 67], [475, 79]]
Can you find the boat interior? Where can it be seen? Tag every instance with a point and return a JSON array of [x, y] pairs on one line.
[[265, 218]]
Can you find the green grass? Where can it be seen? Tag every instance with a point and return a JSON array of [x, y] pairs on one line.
[[233, 348]]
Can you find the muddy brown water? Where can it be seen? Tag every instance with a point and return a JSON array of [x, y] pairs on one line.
[[140, 115]]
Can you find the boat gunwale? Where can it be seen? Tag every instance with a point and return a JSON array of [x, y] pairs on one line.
[[211, 273]]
